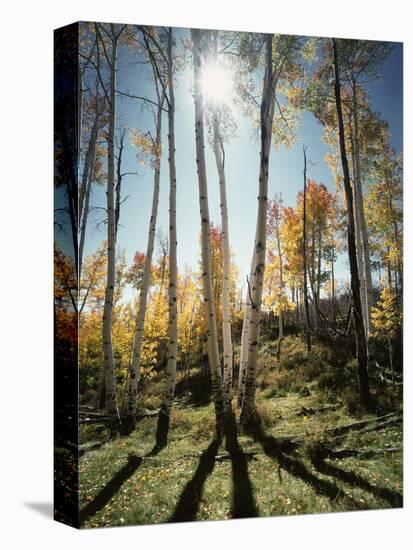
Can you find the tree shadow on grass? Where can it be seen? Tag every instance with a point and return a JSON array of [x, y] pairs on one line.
[[110, 490], [391, 497], [188, 504], [297, 468], [243, 503]]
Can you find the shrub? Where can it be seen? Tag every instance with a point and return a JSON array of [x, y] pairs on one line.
[[180, 420], [327, 381]]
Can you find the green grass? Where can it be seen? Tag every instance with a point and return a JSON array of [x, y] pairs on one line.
[[117, 488]]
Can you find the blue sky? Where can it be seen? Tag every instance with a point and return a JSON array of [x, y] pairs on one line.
[[242, 163]]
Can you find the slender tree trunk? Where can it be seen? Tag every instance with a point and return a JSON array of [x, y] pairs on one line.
[[297, 307], [399, 268], [245, 337], [84, 212], [399, 264], [391, 361], [305, 283], [165, 412], [389, 275], [312, 277], [90, 151], [110, 387], [318, 288], [363, 225], [143, 295], [71, 189], [266, 121], [355, 282], [333, 293], [118, 188], [358, 231], [212, 337], [281, 292], [226, 263]]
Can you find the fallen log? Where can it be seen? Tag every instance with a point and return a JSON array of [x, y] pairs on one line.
[[340, 432], [309, 411], [357, 453], [92, 414], [98, 418], [379, 421]]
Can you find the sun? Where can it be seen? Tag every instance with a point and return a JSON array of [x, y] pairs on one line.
[[216, 83]]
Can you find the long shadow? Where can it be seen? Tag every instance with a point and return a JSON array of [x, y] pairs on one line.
[[295, 467], [243, 502], [104, 496], [134, 462], [392, 497], [188, 504]]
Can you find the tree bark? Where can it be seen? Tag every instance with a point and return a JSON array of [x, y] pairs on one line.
[[143, 296], [108, 362], [266, 121], [305, 283], [333, 293], [355, 282], [281, 292], [226, 263], [212, 337], [245, 337], [363, 225], [172, 352], [357, 227]]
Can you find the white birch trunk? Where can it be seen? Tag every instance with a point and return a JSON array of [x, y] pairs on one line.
[[143, 296], [213, 351], [226, 265], [245, 337], [281, 292], [267, 115], [360, 253], [172, 288], [358, 235], [366, 273], [108, 363]]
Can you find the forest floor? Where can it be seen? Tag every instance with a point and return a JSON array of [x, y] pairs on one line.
[[302, 461]]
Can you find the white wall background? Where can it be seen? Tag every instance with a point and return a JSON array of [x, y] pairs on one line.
[[26, 272]]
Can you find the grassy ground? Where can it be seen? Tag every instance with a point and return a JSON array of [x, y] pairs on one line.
[[196, 478]]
